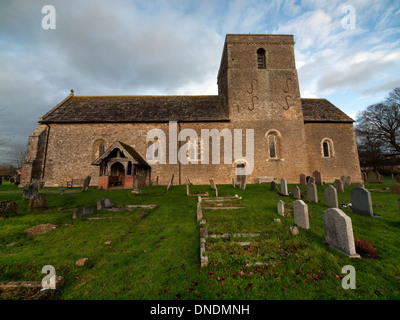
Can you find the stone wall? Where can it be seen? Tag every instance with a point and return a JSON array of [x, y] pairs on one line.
[[343, 160]]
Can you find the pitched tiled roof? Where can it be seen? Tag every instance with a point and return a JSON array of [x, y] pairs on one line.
[[130, 153], [321, 110], [96, 109]]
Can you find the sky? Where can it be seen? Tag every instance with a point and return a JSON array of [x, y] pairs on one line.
[[346, 51]]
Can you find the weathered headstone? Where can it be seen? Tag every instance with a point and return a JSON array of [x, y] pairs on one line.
[[361, 201], [307, 179], [339, 232], [303, 181], [199, 212], [30, 190], [39, 201], [212, 184], [233, 183], [347, 181], [105, 203], [80, 212], [394, 189], [312, 194], [171, 182], [243, 182], [374, 177], [343, 179], [8, 206], [281, 208], [216, 191], [86, 183], [331, 199], [273, 186], [187, 190], [300, 210], [358, 184], [318, 178], [284, 188], [338, 184], [296, 192]]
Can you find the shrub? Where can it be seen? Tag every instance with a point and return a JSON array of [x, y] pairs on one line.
[[365, 249]]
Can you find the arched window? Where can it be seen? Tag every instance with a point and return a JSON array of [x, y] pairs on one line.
[[273, 144], [98, 148], [327, 148], [261, 58]]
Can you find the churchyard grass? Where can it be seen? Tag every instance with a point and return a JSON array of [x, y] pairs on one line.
[[154, 254]]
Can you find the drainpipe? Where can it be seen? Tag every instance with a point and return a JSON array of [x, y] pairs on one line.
[[45, 151], [179, 147]]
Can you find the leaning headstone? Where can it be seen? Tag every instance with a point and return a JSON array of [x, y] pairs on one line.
[[216, 191], [212, 184], [39, 201], [303, 179], [318, 178], [8, 206], [331, 199], [105, 203], [284, 188], [281, 208], [273, 186], [347, 181], [86, 183], [361, 201], [301, 214], [338, 184], [171, 182], [312, 194], [80, 212], [296, 192], [30, 190], [339, 232]]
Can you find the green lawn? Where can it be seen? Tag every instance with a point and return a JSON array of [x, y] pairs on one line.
[[154, 254]]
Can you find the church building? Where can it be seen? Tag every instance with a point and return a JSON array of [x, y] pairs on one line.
[[273, 132]]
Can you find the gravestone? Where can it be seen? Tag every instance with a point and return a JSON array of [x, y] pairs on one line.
[[301, 214], [171, 182], [284, 188], [318, 178], [311, 179], [61, 191], [303, 180], [212, 184], [358, 184], [339, 232], [364, 176], [394, 189], [361, 201], [243, 182], [307, 179], [374, 177], [8, 206], [83, 211], [281, 208], [216, 191], [338, 184], [331, 199], [30, 190], [199, 212], [343, 179], [39, 201], [233, 183], [273, 186], [105, 203], [312, 194], [187, 190], [296, 192], [347, 181], [11, 180], [86, 183]]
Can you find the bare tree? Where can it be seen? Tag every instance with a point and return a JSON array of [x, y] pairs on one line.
[[18, 155], [4, 137], [381, 123]]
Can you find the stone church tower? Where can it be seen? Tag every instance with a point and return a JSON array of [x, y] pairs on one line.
[[258, 93]]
